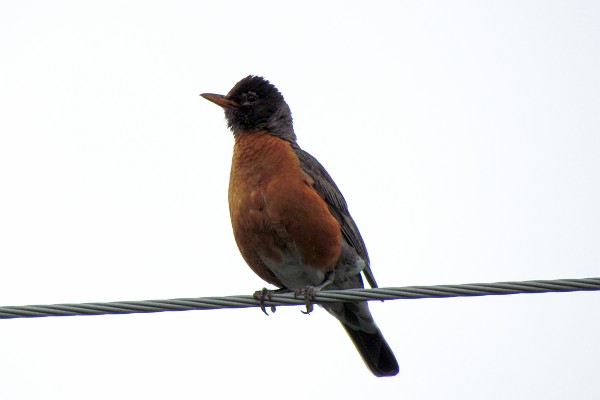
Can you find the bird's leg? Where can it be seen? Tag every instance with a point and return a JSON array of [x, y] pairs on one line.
[[265, 294], [309, 292]]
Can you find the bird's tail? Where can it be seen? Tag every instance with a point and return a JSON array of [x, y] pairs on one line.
[[366, 336]]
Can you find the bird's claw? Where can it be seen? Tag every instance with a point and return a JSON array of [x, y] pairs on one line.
[[309, 292], [262, 296], [309, 297], [266, 294]]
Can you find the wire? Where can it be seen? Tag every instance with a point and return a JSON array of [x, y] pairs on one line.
[[326, 296]]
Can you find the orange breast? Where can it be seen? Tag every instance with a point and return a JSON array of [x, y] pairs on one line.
[[275, 212]]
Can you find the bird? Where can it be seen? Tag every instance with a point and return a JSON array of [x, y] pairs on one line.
[[290, 221]]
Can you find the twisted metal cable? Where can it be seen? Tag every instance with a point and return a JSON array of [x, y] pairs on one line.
[[332, 296]]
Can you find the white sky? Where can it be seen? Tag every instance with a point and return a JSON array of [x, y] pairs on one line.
[[464, 135]]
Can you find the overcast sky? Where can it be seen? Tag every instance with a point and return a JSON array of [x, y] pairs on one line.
[[465, 137]]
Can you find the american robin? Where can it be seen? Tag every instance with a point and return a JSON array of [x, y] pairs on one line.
[[290, 220]]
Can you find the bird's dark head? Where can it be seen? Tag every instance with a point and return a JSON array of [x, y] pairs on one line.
[[254, 104]]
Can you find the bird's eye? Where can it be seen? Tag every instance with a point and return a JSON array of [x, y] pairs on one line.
[[251, 97]]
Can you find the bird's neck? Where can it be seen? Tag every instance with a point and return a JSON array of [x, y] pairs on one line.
[[281, 125], [254, 151]]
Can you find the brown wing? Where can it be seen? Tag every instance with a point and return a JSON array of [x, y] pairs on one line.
[[328, 190]]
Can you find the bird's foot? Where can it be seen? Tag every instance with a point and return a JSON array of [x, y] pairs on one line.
[[309, 292], [264, 295]]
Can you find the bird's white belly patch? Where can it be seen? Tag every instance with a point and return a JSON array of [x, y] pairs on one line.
[[293, 273]]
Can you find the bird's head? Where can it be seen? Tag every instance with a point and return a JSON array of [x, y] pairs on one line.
[[253, 105]]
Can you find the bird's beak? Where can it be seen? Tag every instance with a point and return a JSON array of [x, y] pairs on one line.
[[220, 100]]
